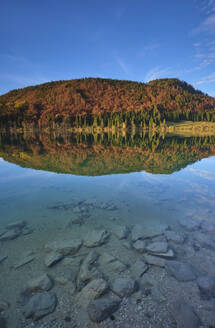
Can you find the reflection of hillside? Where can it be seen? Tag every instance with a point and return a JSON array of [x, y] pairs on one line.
[[105, 154]]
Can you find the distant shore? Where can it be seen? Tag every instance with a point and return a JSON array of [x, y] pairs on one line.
[[184, 128]]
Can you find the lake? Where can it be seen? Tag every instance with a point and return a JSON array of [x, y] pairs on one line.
[[123, 219]]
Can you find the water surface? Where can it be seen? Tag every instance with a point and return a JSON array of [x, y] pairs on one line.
[[64, 186]]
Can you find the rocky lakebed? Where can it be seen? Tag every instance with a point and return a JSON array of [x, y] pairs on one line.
[[96, 269]]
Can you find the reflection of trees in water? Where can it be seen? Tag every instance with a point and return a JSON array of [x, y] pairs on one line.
[[107, 153]]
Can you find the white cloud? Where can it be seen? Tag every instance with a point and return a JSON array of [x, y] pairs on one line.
[[157, 73], [207, 6], [207, 79], [207, 26]]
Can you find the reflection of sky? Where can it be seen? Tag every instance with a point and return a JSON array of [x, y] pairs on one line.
[[190, 190]]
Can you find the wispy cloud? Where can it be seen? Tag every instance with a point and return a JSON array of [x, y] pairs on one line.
[[207, 6], [207, 79], [124, 67], [157, 73], [207, 26], [204, 55], [202, 173], [149, 48]]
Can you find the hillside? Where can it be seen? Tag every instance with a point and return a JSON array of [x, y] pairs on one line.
[[67, 101]]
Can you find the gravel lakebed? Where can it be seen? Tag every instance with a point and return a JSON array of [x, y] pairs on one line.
[[97, 269]]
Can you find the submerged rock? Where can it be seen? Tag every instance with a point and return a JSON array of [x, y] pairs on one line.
[[168, 255], [40, 305], [2, 258], [108, 258], [157, 247], [206, 286], [96, 238], [100, 309], [140, 232], [139, 245], [91, 291], [175, 237], [137, 232], [10, 234], [154, 260], [52, 258], [121, 231], [114, 265], [16, 225], [62, 281], [118, 266], [139, 268], [88, 271], [124, 286], [27, 231], [92, 257], [184, 315], [41, 283], [181, 271], [64, 247]]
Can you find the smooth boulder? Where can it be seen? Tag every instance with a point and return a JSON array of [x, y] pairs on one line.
[[40, 305], [100, 309], [124, 286], [41, 283]]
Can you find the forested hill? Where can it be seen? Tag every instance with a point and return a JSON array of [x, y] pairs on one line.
[[62, 100]]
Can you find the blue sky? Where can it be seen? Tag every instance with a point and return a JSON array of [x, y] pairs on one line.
[[138, 40]]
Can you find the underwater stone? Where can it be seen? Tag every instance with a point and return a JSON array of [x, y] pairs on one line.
[[124, 286], [184, 315], [206, 286], [137, 232], [64, 247], [10, 235], [52, 258], [96, 238], [100, 309], [157, 247], [92, 257], [139, 245], [140, 232], [16, 225], [175, 237], [139, 268], [42, 283], [40, 305], [121, 232], [180, 271], [154, 260], [2, 258], [91, 291]]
